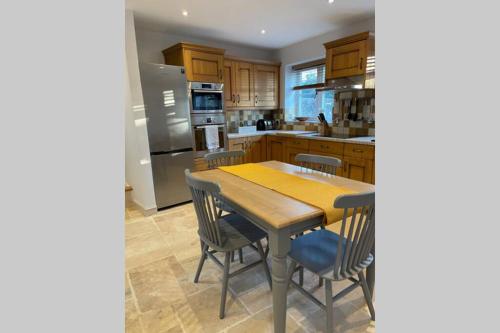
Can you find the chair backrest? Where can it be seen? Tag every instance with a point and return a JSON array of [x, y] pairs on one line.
[[223, 158], [356, 240], [325, 164], [204, 194]]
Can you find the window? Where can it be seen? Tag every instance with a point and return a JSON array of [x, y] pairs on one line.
[[306, 99]]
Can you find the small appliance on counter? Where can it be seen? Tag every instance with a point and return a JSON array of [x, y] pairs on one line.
[[267, 125]]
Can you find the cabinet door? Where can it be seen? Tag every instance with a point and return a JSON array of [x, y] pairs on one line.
[[204, 67], [346, 60], [275, 149], [244, 84], [291, 152], [237, 144], [229, 84], [266, 80], [257, 149], [358, 169]]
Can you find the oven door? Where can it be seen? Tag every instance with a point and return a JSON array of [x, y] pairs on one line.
[[200, 141], [205, 101]]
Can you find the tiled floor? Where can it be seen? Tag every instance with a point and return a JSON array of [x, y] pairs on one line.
[[162, 253]]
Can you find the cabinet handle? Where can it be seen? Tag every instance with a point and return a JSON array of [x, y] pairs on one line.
[[361, 63]]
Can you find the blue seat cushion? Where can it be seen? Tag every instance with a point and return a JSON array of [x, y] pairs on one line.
[[317, 250]]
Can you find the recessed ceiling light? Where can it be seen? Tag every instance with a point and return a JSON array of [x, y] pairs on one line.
[[330, 1], [185, 12], [263, 31]]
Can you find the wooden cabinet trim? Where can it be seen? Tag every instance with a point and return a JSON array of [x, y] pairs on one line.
[[348, 40]]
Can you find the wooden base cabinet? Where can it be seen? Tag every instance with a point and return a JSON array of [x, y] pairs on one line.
[[276, 148], [358, 169], [253, 146]]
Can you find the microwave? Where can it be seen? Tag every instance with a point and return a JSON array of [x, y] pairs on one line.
[[206, 97]]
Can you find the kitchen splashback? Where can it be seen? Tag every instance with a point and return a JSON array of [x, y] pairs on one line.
[[239, 118], [347, 103]]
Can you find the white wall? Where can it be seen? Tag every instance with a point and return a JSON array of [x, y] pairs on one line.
[[151, 43], [312, 49], [138, 171]]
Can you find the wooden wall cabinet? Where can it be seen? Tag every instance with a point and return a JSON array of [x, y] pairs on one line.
[[266, 85], [229, 85], [250, 85], [201, 63], [348, 56]]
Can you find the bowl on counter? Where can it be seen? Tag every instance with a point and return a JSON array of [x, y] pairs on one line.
[[301, 118]]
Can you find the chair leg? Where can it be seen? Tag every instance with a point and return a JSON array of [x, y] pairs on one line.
[[225, 280], [329, 305], [202, 261], [366, 292], [264, 262], [240, 254]]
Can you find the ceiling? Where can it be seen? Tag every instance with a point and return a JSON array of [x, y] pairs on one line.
[[241, 21]]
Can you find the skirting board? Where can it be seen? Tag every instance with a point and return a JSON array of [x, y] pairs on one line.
[[129, 202]]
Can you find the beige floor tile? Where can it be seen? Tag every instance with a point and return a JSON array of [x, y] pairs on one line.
[[263, 322], [160, 320], [155, 286], [143, 244], [257, 299], [141, 227], [345, 320], [246, 281], [187, 317], [128, 290], [132, 318], [185, 271], [205, 307], [145, 249], [175, 329]]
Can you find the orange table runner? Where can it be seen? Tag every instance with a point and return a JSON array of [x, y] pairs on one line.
[[311, 192]]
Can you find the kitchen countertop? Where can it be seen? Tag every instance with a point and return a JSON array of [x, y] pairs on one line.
[[305, 135]]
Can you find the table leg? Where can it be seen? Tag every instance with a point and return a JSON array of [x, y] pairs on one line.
[[279, 242]]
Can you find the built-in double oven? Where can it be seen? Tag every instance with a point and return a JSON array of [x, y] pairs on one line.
[[206, 102]]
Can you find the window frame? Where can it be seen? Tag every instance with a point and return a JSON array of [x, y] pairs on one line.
[[319, 86]]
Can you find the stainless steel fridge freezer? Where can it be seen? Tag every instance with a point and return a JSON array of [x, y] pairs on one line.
[[166, 104]]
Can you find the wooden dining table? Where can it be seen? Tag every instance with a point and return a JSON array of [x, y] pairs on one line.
[[281, 217]]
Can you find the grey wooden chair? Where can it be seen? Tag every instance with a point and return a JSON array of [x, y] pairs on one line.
[[336, 257], [326, 164], [223, 234], [223, 158]]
